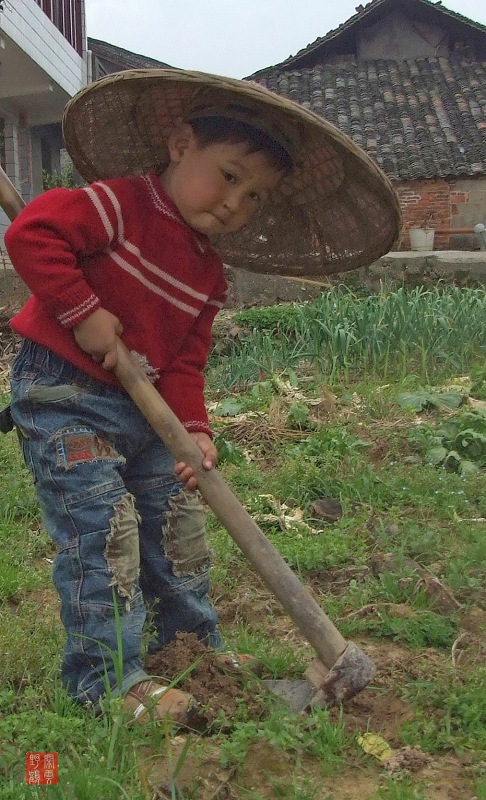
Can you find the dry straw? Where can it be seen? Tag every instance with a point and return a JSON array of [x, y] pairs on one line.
[[335, 211]]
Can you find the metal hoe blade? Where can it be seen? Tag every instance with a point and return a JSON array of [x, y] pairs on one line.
[[296, 694]]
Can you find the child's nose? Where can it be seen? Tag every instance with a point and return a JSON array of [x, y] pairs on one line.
[[234, 201]]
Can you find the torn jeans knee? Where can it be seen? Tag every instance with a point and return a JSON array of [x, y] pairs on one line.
[[184, 534], [122, 551]]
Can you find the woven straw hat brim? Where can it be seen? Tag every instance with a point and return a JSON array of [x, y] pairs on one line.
[[335, 211]]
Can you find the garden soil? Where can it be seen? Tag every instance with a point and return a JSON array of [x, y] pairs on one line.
[[267, 771]]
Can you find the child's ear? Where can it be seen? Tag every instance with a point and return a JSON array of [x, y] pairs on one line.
[[178, 142]]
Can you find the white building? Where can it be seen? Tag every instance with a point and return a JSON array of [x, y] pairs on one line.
[[43, 63]]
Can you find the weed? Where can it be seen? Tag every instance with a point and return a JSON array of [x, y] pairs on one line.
[[449, 713], [297, 736], [481, 789], [283, 318], [418, 630], [401, 790]]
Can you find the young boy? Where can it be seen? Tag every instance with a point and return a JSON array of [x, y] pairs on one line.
[[130, 255]]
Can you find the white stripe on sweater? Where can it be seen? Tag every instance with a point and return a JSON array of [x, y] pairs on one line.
[[116, 207], [184, 287], [152, 286], [101, 211]]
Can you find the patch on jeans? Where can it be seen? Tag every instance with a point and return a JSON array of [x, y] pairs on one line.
[[81, 445], [122, 551], [184, 535]]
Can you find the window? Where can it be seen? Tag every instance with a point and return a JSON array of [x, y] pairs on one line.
[[67, 16]]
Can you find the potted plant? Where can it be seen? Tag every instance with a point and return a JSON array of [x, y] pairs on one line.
[[422, 237]]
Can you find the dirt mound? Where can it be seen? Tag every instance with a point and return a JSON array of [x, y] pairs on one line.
[[218, 689]]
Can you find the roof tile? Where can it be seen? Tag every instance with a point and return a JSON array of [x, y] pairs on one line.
[[417, 119]]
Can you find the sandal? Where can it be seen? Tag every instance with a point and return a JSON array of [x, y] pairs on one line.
[[151, 700], [240, 662]]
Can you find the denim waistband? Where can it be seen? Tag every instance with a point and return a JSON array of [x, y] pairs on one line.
[[33, 359]]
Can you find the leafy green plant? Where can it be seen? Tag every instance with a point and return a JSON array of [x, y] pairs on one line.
[[449, 713], [426, 399], [388, 335], [458, 444], [63, 178], [281, 318], [228, 452]]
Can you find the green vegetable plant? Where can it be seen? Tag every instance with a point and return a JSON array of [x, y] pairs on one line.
[[458, 444]]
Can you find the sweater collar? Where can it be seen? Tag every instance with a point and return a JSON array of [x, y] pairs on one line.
[[169, 210]]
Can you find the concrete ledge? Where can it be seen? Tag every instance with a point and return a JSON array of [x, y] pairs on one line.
[[464, 268], [409, 268], [440, 256]]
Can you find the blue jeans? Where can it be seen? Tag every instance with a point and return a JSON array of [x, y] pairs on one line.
[[129, 536]]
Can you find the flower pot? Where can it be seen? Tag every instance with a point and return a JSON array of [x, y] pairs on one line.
[[422, 238]]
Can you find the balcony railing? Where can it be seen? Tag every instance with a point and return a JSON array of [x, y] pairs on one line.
[[66, 15]]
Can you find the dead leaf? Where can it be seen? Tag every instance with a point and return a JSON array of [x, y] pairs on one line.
[[328, 508], [375, 746]]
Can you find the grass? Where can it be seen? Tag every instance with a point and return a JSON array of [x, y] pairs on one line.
[[21, 534], [309, 404]]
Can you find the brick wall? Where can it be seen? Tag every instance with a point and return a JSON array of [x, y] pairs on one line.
[[442, 204]]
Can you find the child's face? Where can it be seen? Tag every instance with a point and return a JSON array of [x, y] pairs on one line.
[[217, 188]]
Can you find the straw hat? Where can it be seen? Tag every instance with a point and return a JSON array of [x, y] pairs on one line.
[[335, 211]]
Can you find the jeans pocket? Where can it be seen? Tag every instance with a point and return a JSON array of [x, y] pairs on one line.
[[53, 393]]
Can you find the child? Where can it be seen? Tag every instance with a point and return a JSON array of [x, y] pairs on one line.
[[176, 159]]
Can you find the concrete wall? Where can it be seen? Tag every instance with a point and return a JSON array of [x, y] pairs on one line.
[[443, 204], [468, 207]]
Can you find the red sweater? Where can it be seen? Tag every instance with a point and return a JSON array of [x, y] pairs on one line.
[[122, 245]]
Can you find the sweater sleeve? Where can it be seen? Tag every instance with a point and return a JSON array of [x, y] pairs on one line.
[[182, 385], [49, 240]]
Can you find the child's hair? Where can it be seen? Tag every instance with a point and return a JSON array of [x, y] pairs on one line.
[[216, 130]]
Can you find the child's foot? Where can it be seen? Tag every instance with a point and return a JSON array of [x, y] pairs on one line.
[[152, 700]]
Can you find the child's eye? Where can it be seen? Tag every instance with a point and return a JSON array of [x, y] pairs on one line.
[[228, 176], [256, 197]]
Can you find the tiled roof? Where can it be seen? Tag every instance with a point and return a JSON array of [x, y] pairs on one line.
[[416, 119], [373, 11], [124, 59]]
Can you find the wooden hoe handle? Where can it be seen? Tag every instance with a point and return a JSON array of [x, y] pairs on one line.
[[267, 561]]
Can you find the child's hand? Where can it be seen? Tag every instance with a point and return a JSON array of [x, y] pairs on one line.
[[97, 335], [206, 445]]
